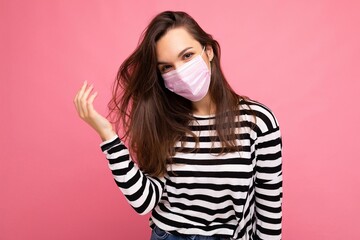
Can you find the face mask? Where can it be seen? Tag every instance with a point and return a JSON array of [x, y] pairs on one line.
[[191, 80]]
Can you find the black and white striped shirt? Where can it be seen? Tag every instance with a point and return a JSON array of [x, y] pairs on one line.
[[237, 194]]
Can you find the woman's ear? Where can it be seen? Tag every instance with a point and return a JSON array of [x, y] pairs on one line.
[[209, 52]]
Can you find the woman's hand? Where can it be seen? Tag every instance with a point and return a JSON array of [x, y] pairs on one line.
[[84, 105]]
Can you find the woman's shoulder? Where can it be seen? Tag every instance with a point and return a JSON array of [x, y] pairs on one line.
[[265, 118]]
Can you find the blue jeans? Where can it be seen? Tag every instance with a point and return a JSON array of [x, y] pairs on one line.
[[159, 234]]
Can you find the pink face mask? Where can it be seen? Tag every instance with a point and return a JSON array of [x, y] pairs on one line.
[[191, 80]]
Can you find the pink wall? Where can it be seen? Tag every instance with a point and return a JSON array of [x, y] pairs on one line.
[[301, 58]]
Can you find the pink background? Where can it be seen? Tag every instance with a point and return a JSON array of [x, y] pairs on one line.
[[301, 58]]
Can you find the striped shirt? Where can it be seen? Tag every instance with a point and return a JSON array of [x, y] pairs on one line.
[[236, 195]]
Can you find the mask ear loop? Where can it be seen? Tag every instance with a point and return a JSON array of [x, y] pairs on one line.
[[202, 51], [208, 57]]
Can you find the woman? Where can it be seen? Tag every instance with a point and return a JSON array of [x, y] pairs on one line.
[[208, 160]]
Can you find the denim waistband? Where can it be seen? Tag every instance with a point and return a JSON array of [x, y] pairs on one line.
[[159, 234]]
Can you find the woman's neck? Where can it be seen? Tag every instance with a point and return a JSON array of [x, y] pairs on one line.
[[204, 107]]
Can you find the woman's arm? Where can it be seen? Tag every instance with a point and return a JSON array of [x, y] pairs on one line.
[[268, 184], [142, 192]]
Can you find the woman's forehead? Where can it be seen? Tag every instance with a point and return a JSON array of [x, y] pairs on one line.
[[173, 42]]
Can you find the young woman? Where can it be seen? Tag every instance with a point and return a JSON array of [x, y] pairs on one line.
[[208, 161]]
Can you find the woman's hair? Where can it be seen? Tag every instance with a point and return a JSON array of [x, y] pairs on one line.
[[153, 118]]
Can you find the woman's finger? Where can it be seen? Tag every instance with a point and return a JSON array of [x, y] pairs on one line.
[[79, 98], [87, 92], [76, 100], [82, 90], [90, 105], [84, 99]]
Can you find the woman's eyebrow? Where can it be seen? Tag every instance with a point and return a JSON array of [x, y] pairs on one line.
[[179, 55]]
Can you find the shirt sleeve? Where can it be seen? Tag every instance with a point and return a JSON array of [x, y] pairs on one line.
[[141, 191], [268, 184]]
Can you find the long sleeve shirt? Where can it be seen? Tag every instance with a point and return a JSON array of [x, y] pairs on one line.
[[236, 195]]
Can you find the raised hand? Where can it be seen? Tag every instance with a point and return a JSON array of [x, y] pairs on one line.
[[84, 106]]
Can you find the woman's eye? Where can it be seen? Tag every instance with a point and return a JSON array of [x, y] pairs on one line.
[[165, 68], [187, 55]]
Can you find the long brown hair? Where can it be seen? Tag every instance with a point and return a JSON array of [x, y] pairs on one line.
[[154, 118]]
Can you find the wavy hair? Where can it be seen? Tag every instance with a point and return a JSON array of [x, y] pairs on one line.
[[153, 118]]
